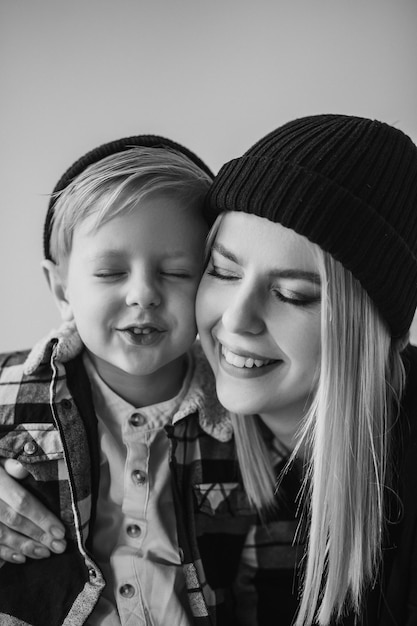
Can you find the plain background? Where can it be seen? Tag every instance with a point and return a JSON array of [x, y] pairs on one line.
[[213, 75]]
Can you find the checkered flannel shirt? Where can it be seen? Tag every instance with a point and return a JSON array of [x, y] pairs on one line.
[[47, 422]]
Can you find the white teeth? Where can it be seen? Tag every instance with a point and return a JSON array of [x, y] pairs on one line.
[[141, 331], [241, 361]]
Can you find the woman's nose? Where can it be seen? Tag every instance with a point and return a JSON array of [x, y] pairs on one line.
[[143, 292], [243, 314]]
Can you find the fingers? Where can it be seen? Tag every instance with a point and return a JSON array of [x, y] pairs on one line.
[[10, 555], [23, 513], [14, 468], [30, 531], [27, 528], [14, 547]]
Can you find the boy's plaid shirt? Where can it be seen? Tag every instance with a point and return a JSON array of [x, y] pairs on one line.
[[47, 422]]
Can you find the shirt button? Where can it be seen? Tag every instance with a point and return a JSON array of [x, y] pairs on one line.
[[139, 477], [133, 530], [137, 419], [127, 591], [30, 447]]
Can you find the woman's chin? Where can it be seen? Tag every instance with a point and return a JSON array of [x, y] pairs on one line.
[[236, 402]]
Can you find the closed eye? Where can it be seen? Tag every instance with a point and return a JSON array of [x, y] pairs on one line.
[[109, 274], [296, 298], [175, 274], [221, 274]]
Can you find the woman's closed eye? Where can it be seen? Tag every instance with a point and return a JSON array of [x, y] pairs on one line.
[[296, 298], [220, 272]]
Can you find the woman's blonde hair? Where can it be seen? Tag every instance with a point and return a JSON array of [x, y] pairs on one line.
[[345, 434]]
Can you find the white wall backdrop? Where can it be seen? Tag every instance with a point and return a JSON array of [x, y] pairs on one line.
[[215, 76]]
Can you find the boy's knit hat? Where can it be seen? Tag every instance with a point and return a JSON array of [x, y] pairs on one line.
[[346, 183], [103, 151]]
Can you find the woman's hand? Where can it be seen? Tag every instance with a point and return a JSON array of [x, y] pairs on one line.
[[27, 528]]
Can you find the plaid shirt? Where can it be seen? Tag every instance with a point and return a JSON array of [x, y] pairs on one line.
[[47, 422], [238, 572]]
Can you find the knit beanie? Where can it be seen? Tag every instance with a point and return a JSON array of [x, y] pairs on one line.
[[348, 184], [103, 151]]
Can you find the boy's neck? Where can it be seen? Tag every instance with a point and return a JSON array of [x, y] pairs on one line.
[[141, 391]]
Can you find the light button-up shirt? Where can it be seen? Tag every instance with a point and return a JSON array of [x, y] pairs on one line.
[[135, 541]]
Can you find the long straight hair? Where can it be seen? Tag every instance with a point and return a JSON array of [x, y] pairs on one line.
[[346, 431], [345, 435]]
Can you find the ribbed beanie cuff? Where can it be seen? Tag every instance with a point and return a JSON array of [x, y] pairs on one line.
[[103, 151], [349, 185]]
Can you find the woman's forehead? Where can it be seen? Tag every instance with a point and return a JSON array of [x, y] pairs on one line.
[[250, 237]]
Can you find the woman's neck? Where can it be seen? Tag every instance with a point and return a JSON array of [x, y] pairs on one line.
[[285, 427]]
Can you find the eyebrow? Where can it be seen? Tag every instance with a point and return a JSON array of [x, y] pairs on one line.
[[117, 253], [293, 273]]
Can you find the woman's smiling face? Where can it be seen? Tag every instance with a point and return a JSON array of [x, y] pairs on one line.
[[258, 315]]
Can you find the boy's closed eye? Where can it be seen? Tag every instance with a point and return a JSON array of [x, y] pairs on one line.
[[177, 273], [110, 274], [164, 272]]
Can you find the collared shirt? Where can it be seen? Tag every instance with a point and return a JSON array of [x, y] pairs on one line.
[[135, 540]]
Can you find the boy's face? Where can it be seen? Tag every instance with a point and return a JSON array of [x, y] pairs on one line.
[[130, 287]]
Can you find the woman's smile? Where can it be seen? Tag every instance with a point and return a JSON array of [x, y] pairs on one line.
[[242, 360]]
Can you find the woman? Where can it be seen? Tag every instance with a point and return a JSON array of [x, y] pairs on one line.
[[304, 312]]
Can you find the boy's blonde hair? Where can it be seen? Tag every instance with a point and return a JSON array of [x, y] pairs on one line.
[[346, 435], [117, 183]]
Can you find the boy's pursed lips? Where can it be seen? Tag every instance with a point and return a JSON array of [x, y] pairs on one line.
[[142, 327], [142, 334]]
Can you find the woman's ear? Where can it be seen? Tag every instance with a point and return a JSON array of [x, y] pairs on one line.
[[56, 279]]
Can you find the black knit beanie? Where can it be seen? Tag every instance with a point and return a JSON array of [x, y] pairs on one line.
[[348, 184], [103, 151]]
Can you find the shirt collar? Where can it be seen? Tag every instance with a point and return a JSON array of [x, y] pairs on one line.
[[199, 397], [64, 343], [113, 409], [202, 398]]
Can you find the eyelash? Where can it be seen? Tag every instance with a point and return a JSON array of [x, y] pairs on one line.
[[176, 274], [212, 271], [117, 274], [108, 274], [301, 302]]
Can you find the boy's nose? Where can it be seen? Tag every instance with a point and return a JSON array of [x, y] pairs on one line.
[[143, 294]]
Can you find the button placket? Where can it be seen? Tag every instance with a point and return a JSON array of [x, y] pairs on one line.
[[136, 489]]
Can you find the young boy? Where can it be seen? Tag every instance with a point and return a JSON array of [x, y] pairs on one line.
[[114, 415]]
